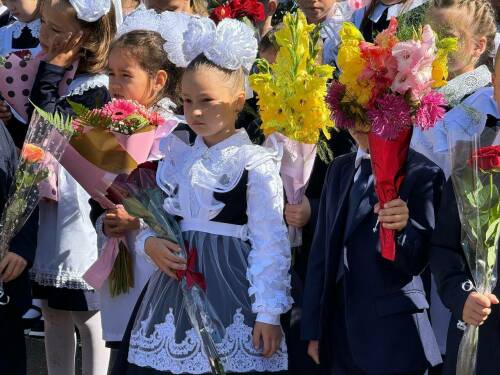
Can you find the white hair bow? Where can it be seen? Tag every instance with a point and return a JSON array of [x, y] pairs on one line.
[[231, 44], [93, 10]]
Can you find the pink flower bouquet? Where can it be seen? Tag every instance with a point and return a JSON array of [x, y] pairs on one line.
[[110, 142], [385, 88]]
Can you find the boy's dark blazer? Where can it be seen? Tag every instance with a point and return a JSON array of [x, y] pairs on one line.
[[387, 323]]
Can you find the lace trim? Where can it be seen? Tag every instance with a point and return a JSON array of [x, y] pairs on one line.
[[87, 82], [34, 26], [63, 279], [161, 352], [465, 84]]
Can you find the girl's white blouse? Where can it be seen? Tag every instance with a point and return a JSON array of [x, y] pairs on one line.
[[190, 175]]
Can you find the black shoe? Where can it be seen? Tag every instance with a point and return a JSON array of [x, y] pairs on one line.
[[37, 330]]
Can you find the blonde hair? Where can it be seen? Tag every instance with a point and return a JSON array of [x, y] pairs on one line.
[[477, 17], [199, 7]]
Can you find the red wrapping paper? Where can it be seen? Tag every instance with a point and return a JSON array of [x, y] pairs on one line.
[[388, 157]]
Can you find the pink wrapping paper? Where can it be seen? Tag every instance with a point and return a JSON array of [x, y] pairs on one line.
[[18, 76], [95, 181], [296, 168]]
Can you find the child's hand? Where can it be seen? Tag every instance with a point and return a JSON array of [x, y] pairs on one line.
[[298, 215], [163, 254], [65, 49], [394, 215], [116, 222], [268, 337], [11, 267], [5, 112], [313, 350], [478, 307]]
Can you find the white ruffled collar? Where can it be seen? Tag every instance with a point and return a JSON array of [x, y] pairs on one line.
[[465, 84], [18, 26], [239, 138], [85, 82]]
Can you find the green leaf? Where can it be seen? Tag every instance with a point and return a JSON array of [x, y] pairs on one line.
[[64, 124]]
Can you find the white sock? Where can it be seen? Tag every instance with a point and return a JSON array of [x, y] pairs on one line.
[[60, 341], [95, 355]]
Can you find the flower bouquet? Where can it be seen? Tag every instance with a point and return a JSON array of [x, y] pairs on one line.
[[43, 143], [476, 180], [385, 88], [18, 70], [251, 11], [291, 103], [144, 199], [109, 142]]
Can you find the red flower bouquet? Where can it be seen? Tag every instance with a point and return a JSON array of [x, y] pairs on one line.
[[253, 10]]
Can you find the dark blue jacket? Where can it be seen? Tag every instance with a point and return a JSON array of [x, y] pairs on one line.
[[450, 270], [24, 243], [387, 323]]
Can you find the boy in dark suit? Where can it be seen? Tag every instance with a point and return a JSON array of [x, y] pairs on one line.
[[361, 313], [14, 270], [453, 277]]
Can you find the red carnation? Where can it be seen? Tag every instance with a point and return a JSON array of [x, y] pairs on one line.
[[252, 9], [487, 158], [221, 12]]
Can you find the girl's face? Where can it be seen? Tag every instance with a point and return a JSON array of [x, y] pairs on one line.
[[23, 10], [58, 20], [316, 10], [170, 5], [128, 80], [452, 23], [211, 104]]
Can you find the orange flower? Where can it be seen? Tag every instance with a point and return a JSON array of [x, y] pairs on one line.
[[32, 153]]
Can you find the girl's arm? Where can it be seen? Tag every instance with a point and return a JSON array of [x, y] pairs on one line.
[[269, 260]]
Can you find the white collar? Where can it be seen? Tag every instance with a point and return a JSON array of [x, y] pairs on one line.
[[239, 138], [85, 82], [18, 26], [3, 9], [394, 10], [360, 155], [465, 84]]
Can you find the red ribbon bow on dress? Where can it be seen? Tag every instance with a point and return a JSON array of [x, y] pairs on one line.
[[192, 277]]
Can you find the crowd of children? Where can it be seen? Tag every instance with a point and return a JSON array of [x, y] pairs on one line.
[[334, 306]]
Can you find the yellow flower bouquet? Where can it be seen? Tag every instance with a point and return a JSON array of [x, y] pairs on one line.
[[291, 98]]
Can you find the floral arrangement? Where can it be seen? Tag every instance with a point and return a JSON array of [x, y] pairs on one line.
[[291, 91], [119, 115], [291, 98], [390, 79], [384, 89], [43, 144], [251, 10], [475, 168]]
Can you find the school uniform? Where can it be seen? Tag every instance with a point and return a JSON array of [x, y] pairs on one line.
[[450, 269], [67, 242], [370, 314], [13, 351]]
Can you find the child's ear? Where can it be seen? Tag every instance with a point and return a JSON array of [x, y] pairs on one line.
[[480, 46], [161, 80], [240, 101]]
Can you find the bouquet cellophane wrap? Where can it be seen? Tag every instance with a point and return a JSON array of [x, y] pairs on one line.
[[144, 199], [43, 144], [18, 77], [95, 159], [296, 168], [476, 182]]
